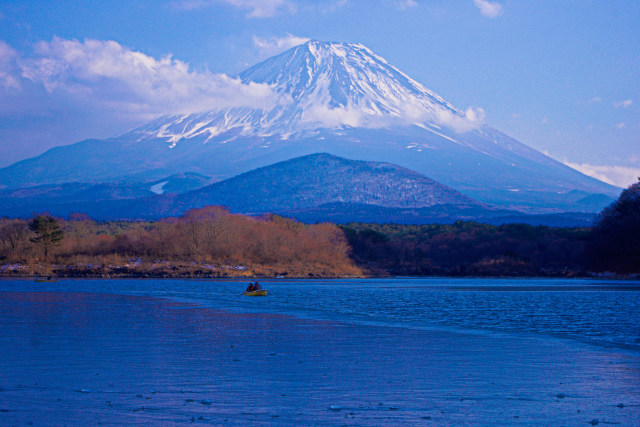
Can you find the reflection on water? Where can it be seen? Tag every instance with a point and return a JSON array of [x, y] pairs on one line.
[[597, 312]]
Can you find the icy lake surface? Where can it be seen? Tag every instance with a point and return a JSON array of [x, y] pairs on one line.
[[598, 312], [400, 351]]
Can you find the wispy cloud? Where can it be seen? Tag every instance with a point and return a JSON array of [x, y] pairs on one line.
[[8, 67], [254, 8], [406, 4], [623, 104], [621, 125], [621, 176], [594, 100], [274, 45], [490, 9], [411, 113], [105, 74], [470, 119]]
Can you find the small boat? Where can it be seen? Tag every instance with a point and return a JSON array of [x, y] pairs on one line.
[[260, 293], [45, 279]]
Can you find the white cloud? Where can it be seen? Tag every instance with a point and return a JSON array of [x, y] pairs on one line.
[[621, 125], [255, 8], [406, 4], [472, 119], [621, 176], [274, 45], [488, 8], [108, 75], [594, 100], [9, 78], [339, 116], [623, 104], [411, 113]]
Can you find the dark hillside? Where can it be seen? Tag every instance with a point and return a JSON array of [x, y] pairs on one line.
[[318, 179], [615, 241]]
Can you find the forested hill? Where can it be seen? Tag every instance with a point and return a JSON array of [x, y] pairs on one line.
[[311, 181]]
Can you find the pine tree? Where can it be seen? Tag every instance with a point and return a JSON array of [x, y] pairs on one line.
[[48, 232]]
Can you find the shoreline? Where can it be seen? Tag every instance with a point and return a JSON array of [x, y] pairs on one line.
[[189, 275]]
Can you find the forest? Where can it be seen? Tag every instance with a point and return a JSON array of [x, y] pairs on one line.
[[212, 242], [468, 249]]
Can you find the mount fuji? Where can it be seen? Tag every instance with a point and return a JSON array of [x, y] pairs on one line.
[[335, 98]]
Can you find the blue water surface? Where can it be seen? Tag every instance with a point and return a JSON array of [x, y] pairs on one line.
[[602, 313]]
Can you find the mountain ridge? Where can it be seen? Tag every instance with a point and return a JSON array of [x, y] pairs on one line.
[[313, 188]]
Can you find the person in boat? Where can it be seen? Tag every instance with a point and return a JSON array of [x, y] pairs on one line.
[[250, 288], [257, 287]]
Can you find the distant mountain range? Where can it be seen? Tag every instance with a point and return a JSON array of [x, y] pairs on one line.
[[66, 198], [334, 98]]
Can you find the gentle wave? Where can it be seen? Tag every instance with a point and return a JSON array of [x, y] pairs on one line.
[[604, 313]]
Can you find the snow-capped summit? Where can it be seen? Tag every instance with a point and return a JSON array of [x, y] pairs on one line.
[[343, 77], [321, 85]]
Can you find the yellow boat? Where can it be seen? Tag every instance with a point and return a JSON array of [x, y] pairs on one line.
[[260, 293]]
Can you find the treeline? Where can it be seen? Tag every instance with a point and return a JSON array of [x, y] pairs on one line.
[[203, 242], [468, 249]]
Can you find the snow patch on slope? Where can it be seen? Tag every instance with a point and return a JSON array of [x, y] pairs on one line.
[[159, 187]]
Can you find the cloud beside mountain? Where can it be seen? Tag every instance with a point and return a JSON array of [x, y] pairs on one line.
[[275, 45], [621, 176], [107, 73]]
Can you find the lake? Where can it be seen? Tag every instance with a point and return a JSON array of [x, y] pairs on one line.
[[321, 352]]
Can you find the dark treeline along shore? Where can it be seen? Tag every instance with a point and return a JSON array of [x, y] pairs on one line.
[[212, 242]]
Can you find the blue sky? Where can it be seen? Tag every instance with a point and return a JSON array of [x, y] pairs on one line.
[[562, 77]]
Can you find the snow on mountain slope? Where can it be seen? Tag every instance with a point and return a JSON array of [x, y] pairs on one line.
[[323, 85]]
